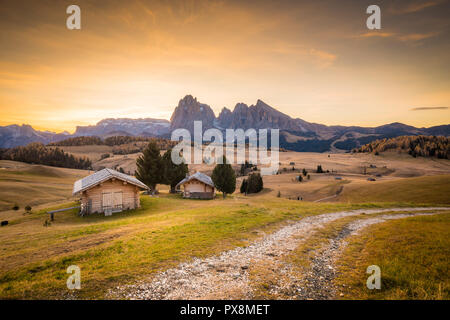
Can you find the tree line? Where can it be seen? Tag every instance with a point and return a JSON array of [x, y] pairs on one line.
[[37, 153], [416, 146], [113, 141]]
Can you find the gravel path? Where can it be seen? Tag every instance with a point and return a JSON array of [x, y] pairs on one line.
[[317, 283], [226, 276]]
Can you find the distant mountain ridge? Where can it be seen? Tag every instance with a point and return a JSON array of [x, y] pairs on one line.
[[295, 134]]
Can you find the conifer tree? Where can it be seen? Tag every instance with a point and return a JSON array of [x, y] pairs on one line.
[[224, 177], [149, 166]]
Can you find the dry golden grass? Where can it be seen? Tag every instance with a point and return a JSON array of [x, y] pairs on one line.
[[35, 185], [426, 189], [413, 255], [120, 249]]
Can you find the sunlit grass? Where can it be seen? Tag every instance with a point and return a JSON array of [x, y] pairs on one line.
[[413, 255], [130, 245]]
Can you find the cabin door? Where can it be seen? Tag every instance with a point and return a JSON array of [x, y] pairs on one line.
[[117, 202], [107, 203]]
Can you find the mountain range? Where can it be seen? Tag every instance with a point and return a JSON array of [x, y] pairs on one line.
[[295, 134]]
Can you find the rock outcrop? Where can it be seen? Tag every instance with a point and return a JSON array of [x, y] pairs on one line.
[[190, 110]]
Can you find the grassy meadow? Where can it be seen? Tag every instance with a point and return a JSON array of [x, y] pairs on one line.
[[168, 229], [129, 245], [35, 185]]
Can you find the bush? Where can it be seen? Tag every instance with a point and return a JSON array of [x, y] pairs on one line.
[[278, 194], [28, 208], [305, 172], [15, 207], [255, 183]]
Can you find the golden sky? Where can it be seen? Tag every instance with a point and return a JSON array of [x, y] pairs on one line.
[[315, 60]]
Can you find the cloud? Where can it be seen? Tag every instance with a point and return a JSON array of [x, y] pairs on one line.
[[428, 108], [416, 6], [411, 37], [374, 34], [417, 36], [322, 58]]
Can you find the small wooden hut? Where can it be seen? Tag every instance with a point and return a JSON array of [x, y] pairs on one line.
[[108, 191], [198, 186]]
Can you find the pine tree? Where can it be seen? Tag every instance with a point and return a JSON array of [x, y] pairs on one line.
[[305, 173], [224, 177], [172, 173], [149, 166]]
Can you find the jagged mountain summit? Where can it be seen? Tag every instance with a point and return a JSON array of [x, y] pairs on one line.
[[295, 134], [190, 110]]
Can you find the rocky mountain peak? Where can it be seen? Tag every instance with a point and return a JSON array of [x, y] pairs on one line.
[[190, 110], [225, 118]]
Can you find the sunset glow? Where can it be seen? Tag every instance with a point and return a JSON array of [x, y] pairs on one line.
[[314, 60]]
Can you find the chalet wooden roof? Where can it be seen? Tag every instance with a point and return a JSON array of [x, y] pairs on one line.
[[198, 176], [102, 176]]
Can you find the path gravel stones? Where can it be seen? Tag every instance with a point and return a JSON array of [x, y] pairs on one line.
[[317, 284], [226, 276]]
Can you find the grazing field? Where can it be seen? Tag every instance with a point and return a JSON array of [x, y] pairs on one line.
[[426, 189], [135, 245], [129, 245], [25, 184]]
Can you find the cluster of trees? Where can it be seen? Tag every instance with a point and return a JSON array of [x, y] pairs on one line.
[[127, 149], [163, 144], [253, 184], [37, 153], [246, 167], [78, 141], [152, 168], [423, 146]]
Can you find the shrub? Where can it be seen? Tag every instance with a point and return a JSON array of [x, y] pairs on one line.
[[319, 169], [15, 207], [255, 183]]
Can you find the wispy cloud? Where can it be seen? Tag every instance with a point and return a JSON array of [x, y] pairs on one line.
[[375, 34], [415, 6], [417, 36], [410, 37], [428, 108]]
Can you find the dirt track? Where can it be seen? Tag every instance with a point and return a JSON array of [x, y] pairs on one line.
[[226, 276]]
